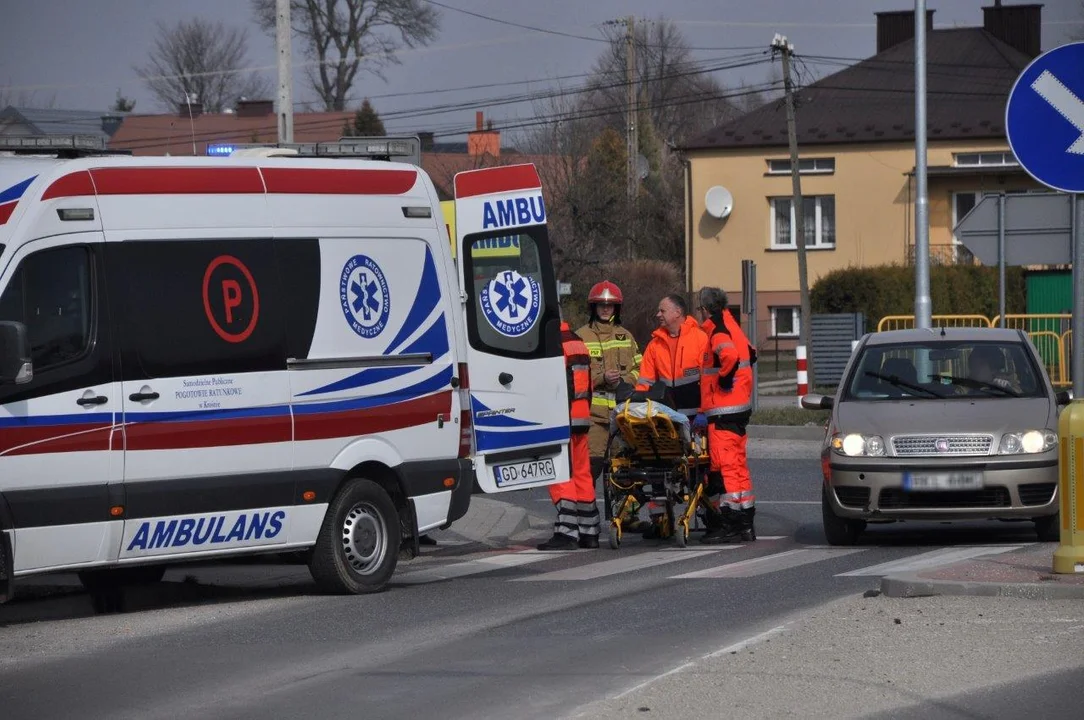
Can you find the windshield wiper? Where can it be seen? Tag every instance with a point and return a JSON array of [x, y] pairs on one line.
[[895, 380], [981, 385]]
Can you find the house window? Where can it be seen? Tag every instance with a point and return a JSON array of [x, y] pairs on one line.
[[986, 159], [806, 166], [819, 217], [785, 321]]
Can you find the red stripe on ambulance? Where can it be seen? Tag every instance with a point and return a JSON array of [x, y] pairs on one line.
[[510, 178]]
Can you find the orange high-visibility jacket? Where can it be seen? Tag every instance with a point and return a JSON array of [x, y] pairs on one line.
[[676, 362], [578, 362], [727, 389]]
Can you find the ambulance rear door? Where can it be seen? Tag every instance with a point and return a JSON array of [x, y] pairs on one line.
[[515, 369]]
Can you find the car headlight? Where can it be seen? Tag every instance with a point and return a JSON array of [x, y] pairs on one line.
[[1028, 442], [857, 445]]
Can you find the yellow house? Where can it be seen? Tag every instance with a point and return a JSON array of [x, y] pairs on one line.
[[855, 132]]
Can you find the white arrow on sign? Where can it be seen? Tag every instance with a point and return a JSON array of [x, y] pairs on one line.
[[1065, 102]]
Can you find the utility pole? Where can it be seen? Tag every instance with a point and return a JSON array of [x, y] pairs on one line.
[[283, 35], [923, 303], [786, 50], [632, 138]]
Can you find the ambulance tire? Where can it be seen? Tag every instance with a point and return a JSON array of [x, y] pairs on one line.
[[358, 546]]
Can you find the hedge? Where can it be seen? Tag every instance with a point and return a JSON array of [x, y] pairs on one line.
[[890, 290]]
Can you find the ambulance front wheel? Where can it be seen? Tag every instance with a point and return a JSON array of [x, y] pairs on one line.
[[358, 546]]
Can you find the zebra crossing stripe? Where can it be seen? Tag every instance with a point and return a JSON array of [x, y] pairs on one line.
[[475, 567], [629, 563], [769, 563], [931, 559]]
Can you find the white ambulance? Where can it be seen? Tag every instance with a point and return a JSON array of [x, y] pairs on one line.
[[202, 357]]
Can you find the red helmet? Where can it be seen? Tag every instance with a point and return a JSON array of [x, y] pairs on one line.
[[605, 292]]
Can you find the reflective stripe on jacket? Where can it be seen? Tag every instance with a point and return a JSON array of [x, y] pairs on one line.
[[578, 362], [727, 390], [611, 347], [676, 362]]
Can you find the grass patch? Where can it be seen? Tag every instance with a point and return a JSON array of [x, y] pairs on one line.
[[790, 416]]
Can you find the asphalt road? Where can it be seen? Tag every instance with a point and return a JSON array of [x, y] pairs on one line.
[[466, 631]]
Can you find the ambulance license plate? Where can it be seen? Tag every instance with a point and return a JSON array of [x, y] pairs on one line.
[[942, 481], [532, 471]]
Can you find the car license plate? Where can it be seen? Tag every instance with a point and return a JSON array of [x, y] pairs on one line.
[[532, 471], [943, 481]]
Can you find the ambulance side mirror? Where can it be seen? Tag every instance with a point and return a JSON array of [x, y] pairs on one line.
[[15, 365]]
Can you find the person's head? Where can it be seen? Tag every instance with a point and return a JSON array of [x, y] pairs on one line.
[[671, 313], [604, 301], [983, 363], [711, 302]]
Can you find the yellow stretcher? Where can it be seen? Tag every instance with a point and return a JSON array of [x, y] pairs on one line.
[[653, 459]]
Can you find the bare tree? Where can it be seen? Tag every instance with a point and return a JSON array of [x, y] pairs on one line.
[[341, 34], [205, 61], [21, 97], [681, 99]]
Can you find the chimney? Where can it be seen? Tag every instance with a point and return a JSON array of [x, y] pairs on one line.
[[898, 26], [426, 139], [184, 108], [483, 142], [255, 108], [111, 123], [1018, 26]]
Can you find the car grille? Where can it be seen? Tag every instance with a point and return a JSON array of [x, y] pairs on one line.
[[915, 445], [851, 496], [1037, 493], [896, 499]]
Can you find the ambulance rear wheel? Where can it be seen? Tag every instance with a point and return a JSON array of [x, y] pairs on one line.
[[358, 546]]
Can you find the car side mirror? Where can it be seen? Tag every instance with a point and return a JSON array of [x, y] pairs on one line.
[[15, 365], [1063, 397], [817, 402]]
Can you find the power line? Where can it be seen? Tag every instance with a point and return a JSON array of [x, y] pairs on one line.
[[518, 25]]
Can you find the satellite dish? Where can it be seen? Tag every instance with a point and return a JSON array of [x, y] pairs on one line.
[[643, 168], [719, 202]]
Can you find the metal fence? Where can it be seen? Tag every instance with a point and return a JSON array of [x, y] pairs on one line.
[[1050, 333]]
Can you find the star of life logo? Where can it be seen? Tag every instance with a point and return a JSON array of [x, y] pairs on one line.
[[511, 303], [363, 293]]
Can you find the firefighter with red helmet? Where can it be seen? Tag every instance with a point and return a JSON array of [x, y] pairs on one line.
[[615, 357]]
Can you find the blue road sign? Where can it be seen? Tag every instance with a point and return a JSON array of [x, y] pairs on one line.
[[1044, 118]]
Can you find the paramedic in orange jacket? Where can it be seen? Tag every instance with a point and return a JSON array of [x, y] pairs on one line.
[[727, 403], [673, 358], [578, 519]]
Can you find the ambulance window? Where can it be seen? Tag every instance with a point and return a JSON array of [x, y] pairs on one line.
[[510, 300], [50, 293], [199, 307]]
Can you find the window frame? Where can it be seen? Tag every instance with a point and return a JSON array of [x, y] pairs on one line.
[[549, 314], [987, 158], [91, 308], [781, 166], [818, 231], [796, 320]]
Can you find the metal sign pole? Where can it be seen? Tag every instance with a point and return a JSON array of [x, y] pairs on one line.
[[1001, 259], [753, 329], [1077, 326]]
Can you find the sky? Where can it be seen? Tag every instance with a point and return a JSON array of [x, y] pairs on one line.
[[78, 54]]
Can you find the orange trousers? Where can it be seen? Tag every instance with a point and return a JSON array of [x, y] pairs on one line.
[[727, 452], [577, 512]]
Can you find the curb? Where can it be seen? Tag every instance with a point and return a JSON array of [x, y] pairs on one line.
[[912, 585], [786, 432]]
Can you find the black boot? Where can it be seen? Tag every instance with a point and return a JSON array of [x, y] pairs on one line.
[[745, 517], [727, 529], [560, 542], [588, 542]]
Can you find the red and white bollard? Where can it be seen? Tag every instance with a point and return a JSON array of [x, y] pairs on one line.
[[803, 376]]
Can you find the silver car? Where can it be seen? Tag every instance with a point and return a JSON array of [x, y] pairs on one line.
[[941, 424]]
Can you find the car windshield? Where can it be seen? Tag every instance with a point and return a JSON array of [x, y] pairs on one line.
[[944, 370]]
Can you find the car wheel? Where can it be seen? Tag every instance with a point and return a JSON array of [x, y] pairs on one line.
[[839, 531], [1048, 528], [358, 546]]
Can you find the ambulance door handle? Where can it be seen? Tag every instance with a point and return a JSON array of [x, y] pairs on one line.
[[140, 396], [92, 400], [504, 378]]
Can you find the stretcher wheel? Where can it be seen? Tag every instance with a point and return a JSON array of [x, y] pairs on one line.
[[615, 536], [682, 533]]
